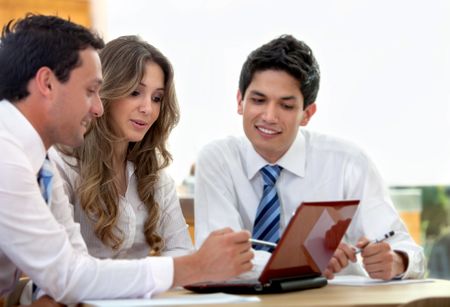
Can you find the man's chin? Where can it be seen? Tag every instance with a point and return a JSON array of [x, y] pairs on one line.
[[74, 143]]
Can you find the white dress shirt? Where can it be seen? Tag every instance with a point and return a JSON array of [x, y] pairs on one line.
[[132, 216], [49, 247], [316, 168]]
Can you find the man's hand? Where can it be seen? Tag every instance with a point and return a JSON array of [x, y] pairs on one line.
[[44, 301], [223, 255], [380, 261], [343, 254]]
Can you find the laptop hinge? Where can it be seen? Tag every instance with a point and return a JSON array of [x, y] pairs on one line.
[[293, 284]]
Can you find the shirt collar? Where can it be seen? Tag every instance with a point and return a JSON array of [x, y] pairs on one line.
[[19, 126], [294, 160]]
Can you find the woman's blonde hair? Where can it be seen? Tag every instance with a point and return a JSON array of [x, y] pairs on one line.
[[123, 64]]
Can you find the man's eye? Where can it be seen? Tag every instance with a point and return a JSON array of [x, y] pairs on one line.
[[288, 106], [257, 100]]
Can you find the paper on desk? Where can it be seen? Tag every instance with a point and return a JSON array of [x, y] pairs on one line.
[[191, 299], [354, 280]]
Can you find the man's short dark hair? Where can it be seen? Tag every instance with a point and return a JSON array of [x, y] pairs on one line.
[[38, 41], [287, 54]]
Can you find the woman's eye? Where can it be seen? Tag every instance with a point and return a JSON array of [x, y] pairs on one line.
[[157, 98], [134, 93]]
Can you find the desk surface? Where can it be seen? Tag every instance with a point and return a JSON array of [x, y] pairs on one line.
[[333, 295]]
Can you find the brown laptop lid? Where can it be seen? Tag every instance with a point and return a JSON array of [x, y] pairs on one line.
[[310, 240]]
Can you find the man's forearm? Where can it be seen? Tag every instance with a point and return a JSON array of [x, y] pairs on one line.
[[44, 301]]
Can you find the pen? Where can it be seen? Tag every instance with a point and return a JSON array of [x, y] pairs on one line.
[[261, 242], [385, 236]]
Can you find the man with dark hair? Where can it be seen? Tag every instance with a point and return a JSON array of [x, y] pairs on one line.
[[22, 42], [50, 75], [256, 182]]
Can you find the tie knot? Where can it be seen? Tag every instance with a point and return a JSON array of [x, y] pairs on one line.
[[270, 174]]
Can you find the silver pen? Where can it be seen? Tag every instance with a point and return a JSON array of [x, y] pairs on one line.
[[261, 242], [385, 236]]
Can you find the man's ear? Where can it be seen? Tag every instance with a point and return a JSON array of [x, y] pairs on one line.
[[308, 113], [44, 80], [240, 106]]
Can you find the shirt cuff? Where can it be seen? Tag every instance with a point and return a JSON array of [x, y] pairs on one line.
[[408, 267], [162, 273]]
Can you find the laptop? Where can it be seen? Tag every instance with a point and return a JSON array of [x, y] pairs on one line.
[[302, 254]]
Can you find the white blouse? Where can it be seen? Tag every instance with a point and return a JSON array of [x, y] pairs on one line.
[[132, 216]]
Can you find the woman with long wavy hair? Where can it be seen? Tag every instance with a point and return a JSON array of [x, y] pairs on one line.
[[123, 199]]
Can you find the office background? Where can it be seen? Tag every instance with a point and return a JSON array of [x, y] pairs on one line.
[[385, 71], [385, 78]]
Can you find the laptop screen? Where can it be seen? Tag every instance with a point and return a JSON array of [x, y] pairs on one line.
[[310, 240]]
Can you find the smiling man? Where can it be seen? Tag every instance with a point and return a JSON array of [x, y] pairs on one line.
[[256, 182]]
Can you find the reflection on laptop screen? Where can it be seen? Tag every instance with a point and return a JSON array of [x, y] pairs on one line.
[[310, 239]]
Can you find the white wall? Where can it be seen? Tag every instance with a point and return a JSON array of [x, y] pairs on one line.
[[385, 71]]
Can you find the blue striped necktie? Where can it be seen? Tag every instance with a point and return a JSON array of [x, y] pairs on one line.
[[267, 222], [45, 180]]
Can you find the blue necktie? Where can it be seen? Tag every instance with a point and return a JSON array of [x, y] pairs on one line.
[[45, 180], [267, 222]]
